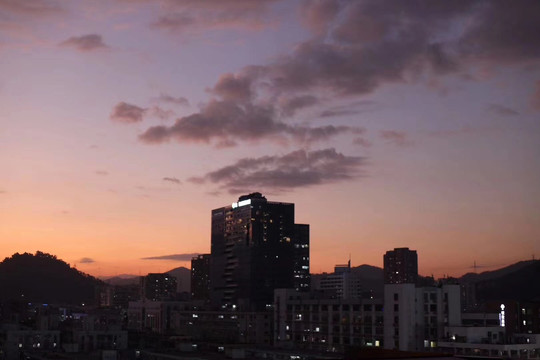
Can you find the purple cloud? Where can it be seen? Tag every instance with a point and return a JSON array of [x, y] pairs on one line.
[[172, 180], [398, 138], [127, 113], [193, 16], [502, 110], [226, 122], [85, 43], [299, 168], [173, 100]]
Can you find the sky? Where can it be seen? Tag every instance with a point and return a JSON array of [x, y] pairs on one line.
[[388, 123]]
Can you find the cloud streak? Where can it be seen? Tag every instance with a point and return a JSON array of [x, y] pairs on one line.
[[85, 43], [398, 138], [174, 257], [299, 168], [172, 180], [502, 110], [86, 260], [173, 100], [193, 16]]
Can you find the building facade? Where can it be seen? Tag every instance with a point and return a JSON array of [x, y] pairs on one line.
[[401, 266], [341, 284], [158, 287], [309, 321], [200, 277], [256, 247]]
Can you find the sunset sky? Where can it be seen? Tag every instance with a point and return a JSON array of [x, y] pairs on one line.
[[388, 123]]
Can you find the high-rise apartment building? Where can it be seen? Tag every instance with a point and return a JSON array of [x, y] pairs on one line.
[[256, 247], [200, 277], [158, 287], [341, 284], [401, 266]]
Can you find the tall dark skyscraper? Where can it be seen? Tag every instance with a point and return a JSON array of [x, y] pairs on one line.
[[200, 277], [256, 248], [400, 266]]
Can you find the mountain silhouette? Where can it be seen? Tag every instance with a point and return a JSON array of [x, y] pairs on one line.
[[183, 278], [45, 279], [182, 275], [518, 282], [488, 275]]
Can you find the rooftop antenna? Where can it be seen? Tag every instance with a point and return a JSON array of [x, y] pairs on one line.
[[349, 261], [474, 266]]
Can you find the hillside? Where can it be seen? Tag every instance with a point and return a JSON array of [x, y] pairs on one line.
[[522, 283], [183, 278], [488, 275], [44, 278], [182, 275]]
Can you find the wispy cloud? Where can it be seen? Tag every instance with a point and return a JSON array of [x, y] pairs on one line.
[[172, 180], [85, 43], [173, 100], [127, 113], [296, 169], [194, 16], [398, 138], [228, 122], [102, 172], [502, 110], [174, 257], [86, 260]]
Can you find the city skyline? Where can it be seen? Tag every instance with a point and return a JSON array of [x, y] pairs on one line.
[[387, 124]]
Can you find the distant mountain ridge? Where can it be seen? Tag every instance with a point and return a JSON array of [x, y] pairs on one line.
[[488, 275], [182, 275], [520, 282], [43, 278]]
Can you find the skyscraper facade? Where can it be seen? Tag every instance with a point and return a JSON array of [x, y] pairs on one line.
[[200, 277], [255, 248], [158, 287], [401, 266]]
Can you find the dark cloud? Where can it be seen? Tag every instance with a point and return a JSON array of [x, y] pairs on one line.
[[366, 44], [172, 180], [398, 138], [502, 110], [175, 257], [86, 260], [174, 100], [102, 172], [226, 122], [233, 87], [356, 47], [296, 169], [127, 113], [88, 42]]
